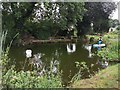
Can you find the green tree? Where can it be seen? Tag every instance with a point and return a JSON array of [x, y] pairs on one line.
[[71, 13], [98, 14], [41, 20], [14, 15], [113, 23]]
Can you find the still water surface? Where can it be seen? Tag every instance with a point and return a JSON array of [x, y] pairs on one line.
[[60, 52]]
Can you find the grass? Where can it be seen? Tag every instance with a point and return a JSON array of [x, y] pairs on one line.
[[107, 78], [110, 35], [112, 50], [29, 79], [2, 38]]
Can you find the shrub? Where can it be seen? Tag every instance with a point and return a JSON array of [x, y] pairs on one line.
[[110, 52], [81, 66], [25, 79], [29, 79]]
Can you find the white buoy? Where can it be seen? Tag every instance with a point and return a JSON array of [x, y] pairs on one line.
[[28, 53]]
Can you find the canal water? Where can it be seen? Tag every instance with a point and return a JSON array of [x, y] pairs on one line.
[[65, 53]]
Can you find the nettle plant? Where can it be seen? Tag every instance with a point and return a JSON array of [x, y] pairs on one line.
[[82, 67], [29, 79], [110, 52]]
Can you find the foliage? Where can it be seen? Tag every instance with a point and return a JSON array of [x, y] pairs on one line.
[[17, 14], [5, 60], [98, 14], [26, 79], [45, 19], [113, 23], [106, 78], [109, 37], [118, 28], [81, 66], [41, 20], [2, 43], [2, 38], [29, 79], [110, 52], [77, 10]]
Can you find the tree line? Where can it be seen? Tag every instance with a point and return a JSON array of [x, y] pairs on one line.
[[48, 19]]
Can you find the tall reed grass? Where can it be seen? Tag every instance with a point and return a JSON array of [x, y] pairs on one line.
[[2, 40]]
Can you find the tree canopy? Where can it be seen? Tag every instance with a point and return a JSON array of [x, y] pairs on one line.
[[98, 14], [45, 19]]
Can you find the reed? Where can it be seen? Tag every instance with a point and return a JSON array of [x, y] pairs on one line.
[[2, 42]]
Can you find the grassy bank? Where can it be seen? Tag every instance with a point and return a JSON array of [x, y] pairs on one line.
[[106, 36], [111, 51], [107, 78]]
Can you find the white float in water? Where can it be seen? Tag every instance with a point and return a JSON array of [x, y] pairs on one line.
[[89, 47], [71, 48], [28, 53], [98, 45]]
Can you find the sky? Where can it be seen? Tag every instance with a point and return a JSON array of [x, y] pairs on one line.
[[115, 13]]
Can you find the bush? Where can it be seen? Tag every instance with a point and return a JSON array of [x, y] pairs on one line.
[[118, 28], [82, 67], [26, 79], [110, 52], [29, 79]]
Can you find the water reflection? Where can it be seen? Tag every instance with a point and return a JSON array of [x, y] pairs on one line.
[[54, 66], [37, 60], [54, 58], [103, 64], [89, 47], [37, 63], [71, 48]]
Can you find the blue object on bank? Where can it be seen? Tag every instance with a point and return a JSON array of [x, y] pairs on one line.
[[99, 42]]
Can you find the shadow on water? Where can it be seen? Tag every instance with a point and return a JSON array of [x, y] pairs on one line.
[[66, 54]]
